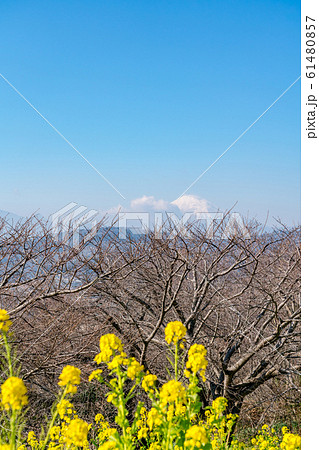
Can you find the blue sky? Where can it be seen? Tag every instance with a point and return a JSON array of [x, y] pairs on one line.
[[151, 93]]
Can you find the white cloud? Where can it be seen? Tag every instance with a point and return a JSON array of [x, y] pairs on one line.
[[147, 203], [192, 203]]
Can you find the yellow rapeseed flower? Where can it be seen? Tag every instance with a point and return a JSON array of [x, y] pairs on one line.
[[180, 409], [134, 369], [111, 397], [5, 321], [172, 391], [142, 433], [109, 345], [154, 418], [70, 377], [110, 445], [55, 433], [219, 405], [149, 382], [290, 442], [99, 418], [32, 440], [197, 360], [195, 437], [155, 446], [105, 431], [117, 361], [76, 433], [65, 409], [14, 393], [96, 374], [174, 332]]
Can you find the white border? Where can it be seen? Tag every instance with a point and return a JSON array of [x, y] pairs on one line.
[[310, 242]]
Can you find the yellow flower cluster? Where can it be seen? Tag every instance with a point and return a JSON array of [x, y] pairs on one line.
[[173, 421], [109, 445], [290, 441], [71, 431], [70, 377], [197, 360], [117, 361], [174, 332], [155, 446], [5, 447], [104, 430], [219, 405], [134, 369], [172, 391], [96, 374], [14, 394], [142, 433], [5, 321], [154, 418], [195, 437], [267, 439], [109, 345], [65, 410], [219, 425], [32, 440], [148, 383], [76, 433], [56, 434]]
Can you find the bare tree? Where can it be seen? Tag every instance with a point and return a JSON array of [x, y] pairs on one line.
[[238, 295]]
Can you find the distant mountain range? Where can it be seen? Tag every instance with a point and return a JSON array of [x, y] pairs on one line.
[[13, 219], [10, 217]]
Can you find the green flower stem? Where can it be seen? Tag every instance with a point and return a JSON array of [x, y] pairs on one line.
[[121, 407], [129, 395], [13, 420], [53, 419], [168, 436]]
